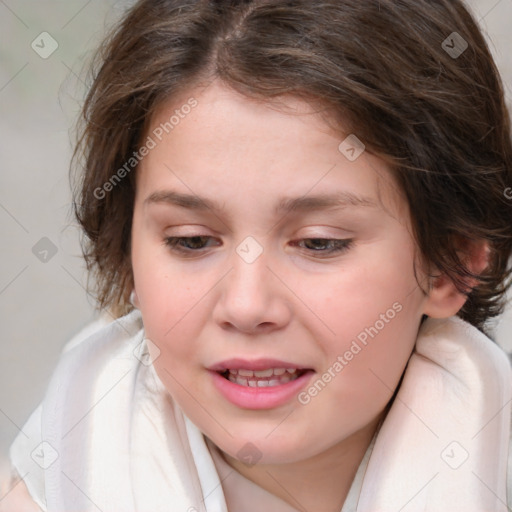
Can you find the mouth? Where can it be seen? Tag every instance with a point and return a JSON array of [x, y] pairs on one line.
[[259, 383], [269, 377]]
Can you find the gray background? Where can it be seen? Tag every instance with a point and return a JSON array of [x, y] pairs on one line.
[[43, 304]]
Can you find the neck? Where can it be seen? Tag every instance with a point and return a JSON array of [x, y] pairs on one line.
[[328, 475]]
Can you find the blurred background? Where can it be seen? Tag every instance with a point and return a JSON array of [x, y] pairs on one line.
[[44, 46]]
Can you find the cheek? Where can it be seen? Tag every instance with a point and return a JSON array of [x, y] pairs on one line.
[[370, 314], [175, 302], [368, 289], [166, 291], [166, 299], [171, 310]]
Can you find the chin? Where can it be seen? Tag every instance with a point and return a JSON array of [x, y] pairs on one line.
[[264, 450]]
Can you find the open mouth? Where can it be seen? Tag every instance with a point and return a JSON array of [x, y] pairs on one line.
[[259, 384], [263, 378]]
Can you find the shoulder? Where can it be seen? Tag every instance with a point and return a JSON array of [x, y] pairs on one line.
[[101, 345], [16, 497], [106, 330]]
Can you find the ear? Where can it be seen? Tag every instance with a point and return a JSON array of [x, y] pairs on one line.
[[134, 300], [444, 300]]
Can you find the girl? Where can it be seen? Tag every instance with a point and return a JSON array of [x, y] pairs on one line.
[[298, 211]]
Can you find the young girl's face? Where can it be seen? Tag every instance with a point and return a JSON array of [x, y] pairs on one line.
[[259, 244]]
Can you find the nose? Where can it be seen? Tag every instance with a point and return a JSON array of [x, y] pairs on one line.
[[252, 299]]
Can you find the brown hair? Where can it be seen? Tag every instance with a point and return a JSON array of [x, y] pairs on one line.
[[384, 67]]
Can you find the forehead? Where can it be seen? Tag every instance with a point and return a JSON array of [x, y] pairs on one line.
[[216, 134], [221, 114]]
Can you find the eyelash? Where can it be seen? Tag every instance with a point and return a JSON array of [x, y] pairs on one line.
[[340, 245]]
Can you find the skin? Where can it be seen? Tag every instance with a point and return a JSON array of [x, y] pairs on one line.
[[14, 496], [294, 302]]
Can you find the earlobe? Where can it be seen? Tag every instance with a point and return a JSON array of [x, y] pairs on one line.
[[444, 299], [134, 300], [479, 257]]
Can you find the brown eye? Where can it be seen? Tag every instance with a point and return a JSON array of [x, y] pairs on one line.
[[186, 244], [325, 246]]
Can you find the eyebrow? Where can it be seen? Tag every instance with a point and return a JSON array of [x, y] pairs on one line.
[[285, 205]]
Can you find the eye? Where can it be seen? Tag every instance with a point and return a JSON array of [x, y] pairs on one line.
[[186, 244], [325, 246], [320, 246]]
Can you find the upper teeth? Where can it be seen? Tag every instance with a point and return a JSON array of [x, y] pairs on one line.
[[262, 373]]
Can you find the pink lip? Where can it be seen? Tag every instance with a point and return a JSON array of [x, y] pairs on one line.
[[255, 364], [247, 397]]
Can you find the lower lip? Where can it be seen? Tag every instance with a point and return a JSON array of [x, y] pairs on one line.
[[268, 397]]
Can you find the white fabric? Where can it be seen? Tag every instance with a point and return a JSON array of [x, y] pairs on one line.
[[237, 488], [454, 402], [124, 445]]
